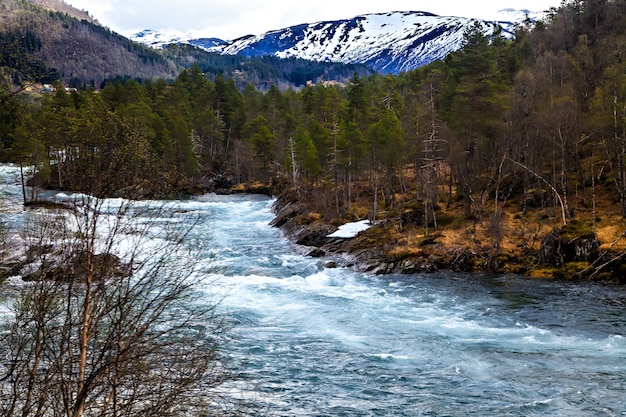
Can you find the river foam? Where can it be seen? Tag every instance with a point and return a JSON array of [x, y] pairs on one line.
[[312, 341]]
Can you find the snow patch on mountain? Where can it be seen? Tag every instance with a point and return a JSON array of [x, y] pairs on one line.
[[159, 39], [518, 15], [388, 42]]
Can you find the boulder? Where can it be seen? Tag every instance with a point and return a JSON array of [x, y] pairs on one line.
[[563, 246], [331, 264], [13, 250], [316, 253], [313, 234], [286, 213], [105, 266]]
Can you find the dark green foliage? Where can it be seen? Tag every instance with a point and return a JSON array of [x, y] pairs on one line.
[[16, 52], [263, 143], [306, 153], [263, 72]]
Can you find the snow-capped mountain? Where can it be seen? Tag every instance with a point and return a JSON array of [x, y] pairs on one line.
[[388, 42], [156, 39]]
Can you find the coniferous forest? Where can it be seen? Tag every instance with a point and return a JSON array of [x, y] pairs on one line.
[[512, 149]]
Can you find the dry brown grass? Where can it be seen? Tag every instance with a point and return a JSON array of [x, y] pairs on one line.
[[611, 236], [516, 234], [510, 244]]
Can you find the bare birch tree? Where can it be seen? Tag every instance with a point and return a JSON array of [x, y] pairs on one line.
[[110, 321]]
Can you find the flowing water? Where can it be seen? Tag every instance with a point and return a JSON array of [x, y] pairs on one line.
[[333, 342]]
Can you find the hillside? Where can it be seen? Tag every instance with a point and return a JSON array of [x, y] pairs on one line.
[[62, 7], [81, 51], [262, 72], [62, 42]]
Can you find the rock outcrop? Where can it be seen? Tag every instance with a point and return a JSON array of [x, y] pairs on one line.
[[570, 253], [360, 253]]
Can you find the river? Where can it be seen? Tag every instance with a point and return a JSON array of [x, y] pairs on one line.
[[333, 342]]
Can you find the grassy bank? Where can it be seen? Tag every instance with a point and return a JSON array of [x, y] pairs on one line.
[[522, 235]]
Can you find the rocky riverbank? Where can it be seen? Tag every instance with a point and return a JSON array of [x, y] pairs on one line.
[[399, 245], [363, 252], [570, 253]]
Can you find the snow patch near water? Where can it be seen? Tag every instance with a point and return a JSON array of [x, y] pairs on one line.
[[350, 230]]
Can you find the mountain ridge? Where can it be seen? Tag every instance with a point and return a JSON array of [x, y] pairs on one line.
[[62, 7], [390, 42]]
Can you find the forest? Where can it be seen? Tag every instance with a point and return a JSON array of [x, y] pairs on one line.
[[506, 140]]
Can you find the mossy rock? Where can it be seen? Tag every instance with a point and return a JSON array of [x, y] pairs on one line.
[[542, 271], [48, 205], [446, 219], [431, 240], [575, 242], [412, 216], [105, 266], [515, 269], [577, 230], [313, 234], [571, 271]]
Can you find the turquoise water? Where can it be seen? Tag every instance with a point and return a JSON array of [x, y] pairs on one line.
[[334, 342], [311, 341]]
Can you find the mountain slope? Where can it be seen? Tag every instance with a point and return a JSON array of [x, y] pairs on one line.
[[388, 42], [262, 72], [43, 40], [62, 7], [79, 49]]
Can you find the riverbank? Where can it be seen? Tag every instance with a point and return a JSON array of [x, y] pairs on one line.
[[399, 242], [530, 246]]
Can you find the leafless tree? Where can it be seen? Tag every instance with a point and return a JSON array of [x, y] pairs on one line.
[[111, 321]]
